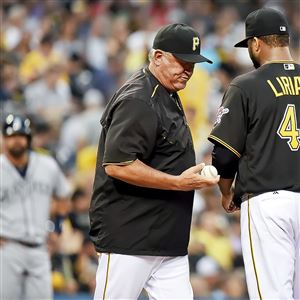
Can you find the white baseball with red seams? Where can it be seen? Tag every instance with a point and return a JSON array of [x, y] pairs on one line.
[[209, 171]]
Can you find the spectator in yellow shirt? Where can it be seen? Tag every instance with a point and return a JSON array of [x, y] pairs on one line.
[[37, 61]]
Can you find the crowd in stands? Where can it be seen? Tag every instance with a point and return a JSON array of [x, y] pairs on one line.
[[61, 61]]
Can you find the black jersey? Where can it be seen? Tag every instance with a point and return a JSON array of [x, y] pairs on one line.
[[259, 121], [142, 121]]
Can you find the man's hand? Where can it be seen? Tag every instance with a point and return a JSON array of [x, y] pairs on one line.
[[191, 179], [228, 203]]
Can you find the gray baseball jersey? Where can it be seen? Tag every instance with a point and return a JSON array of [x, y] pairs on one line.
[[25, 202]]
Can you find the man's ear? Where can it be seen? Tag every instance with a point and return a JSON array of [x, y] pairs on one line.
[[256, 44], [158, 54]]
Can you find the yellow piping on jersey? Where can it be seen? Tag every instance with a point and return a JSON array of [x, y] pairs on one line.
[[106, 279], [252, 252], [123, 163], [154, 91], [226, 145], [281, 61]]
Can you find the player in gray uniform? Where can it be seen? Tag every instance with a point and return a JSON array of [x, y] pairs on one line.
[[28, 183]]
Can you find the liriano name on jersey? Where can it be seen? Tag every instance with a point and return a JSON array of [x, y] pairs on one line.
[[285, 85]]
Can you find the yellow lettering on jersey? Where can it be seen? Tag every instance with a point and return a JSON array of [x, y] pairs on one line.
[[297, 84], [291, 85], [277, 94], [196, 42], [281, 85], [288, 128], [288, 86]]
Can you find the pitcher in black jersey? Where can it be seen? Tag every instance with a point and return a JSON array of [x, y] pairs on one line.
[[256, 140]]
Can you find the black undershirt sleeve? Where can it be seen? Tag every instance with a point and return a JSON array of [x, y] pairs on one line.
[[225, 161]]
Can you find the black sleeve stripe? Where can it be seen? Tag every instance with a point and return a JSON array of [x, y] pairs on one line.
[[225, 145]]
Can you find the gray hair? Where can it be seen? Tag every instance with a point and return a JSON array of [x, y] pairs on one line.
[[152, 51], [151, 54]]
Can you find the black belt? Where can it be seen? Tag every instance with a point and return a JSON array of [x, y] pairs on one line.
[[248, 196], [26, 244], [30, 245]]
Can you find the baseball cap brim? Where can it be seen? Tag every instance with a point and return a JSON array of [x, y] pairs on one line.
[[193, 58], [243, 43]]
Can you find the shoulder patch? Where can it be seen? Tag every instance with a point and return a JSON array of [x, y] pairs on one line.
[[221, 111]]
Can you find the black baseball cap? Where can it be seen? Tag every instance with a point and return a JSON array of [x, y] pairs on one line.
[[16, 124], [262, 22], [182, 41]]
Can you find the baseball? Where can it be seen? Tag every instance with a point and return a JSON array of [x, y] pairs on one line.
[[209, 171]]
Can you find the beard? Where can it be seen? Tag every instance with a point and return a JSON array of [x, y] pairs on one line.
[[255, 62], [17, 152]]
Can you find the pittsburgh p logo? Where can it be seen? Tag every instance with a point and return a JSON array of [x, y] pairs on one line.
[[196, 42]]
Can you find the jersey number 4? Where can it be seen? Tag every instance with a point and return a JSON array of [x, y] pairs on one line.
[[288, 128]]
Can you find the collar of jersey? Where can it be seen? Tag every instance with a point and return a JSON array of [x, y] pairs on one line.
[[280, 61]]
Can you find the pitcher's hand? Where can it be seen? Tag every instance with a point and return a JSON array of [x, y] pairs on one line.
[[228, 203]]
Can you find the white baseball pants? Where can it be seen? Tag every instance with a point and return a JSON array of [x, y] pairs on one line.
[[124, 277], [270, 230]]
